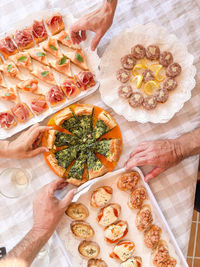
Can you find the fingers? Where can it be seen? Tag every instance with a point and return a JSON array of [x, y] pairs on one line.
[[74, 32], [68, 198], [37, 151], [83, 35], [133, 162], [95, 41], [141, 147], [155, 172], [36, 131], [56, 185]]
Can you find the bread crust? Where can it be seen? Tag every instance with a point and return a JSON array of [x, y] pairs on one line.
[[92, 251], [77, 211], [115, 150], [83, 109], [76, 182], [93, 174], [107, 119], [54, 163], [63, 115], [96, 263], [86, 230], [50, 139]]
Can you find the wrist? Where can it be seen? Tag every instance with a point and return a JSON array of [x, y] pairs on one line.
[[109, 7], [39, 232]]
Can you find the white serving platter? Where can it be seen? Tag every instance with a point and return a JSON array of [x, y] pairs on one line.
[[122, 43], [92, 61], [69, 244]]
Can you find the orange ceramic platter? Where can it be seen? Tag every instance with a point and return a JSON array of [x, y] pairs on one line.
[[115, 133]]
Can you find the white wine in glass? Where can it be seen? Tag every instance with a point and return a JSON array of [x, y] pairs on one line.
[[14, 182]]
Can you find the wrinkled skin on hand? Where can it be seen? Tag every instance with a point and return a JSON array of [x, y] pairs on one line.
[[162, 154]]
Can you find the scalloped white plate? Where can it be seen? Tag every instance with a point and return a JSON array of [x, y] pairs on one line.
[[120, 46]]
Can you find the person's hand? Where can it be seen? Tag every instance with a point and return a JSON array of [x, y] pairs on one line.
[[162, 154], [27, 144], [98, 21], [47, 209]]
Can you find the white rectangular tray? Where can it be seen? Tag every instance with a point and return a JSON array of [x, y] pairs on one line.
[[92, 60], [69, 246]]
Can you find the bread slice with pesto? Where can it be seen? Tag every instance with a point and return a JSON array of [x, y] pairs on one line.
[[77, 211], [89, 249], [81, 229]]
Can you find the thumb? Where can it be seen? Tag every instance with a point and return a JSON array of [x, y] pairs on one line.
[[37, 151], [155, 172], [95, 41], [68, 198]]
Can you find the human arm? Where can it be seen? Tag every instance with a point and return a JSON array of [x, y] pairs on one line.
[[26, 145], [98, 21], [47, 212], [163, 154]]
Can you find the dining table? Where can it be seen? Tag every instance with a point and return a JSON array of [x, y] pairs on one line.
[[174, 189]]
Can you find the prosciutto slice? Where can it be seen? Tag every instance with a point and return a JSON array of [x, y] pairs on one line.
[[55, 95], [7, 45], [70, 89], [23, 38], [85, 78], [39, 30], [39, 105], [6, 120], [20, 112]]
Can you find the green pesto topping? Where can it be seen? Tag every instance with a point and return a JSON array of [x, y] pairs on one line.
[[73, 126], [100, 129], [93, 163], [103, 147], [66, 156], [77, 169], [63, 139]]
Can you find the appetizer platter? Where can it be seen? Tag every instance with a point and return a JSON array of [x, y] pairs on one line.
[[151, 76], [116, 221], [41, 71], [85, 142]]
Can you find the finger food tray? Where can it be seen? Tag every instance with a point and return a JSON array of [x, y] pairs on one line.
[[92, 62], [69, 244]]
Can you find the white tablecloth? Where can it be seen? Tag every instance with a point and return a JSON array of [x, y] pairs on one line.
[[174, 189]]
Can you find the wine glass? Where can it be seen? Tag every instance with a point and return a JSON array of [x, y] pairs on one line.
[[14, 182]]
